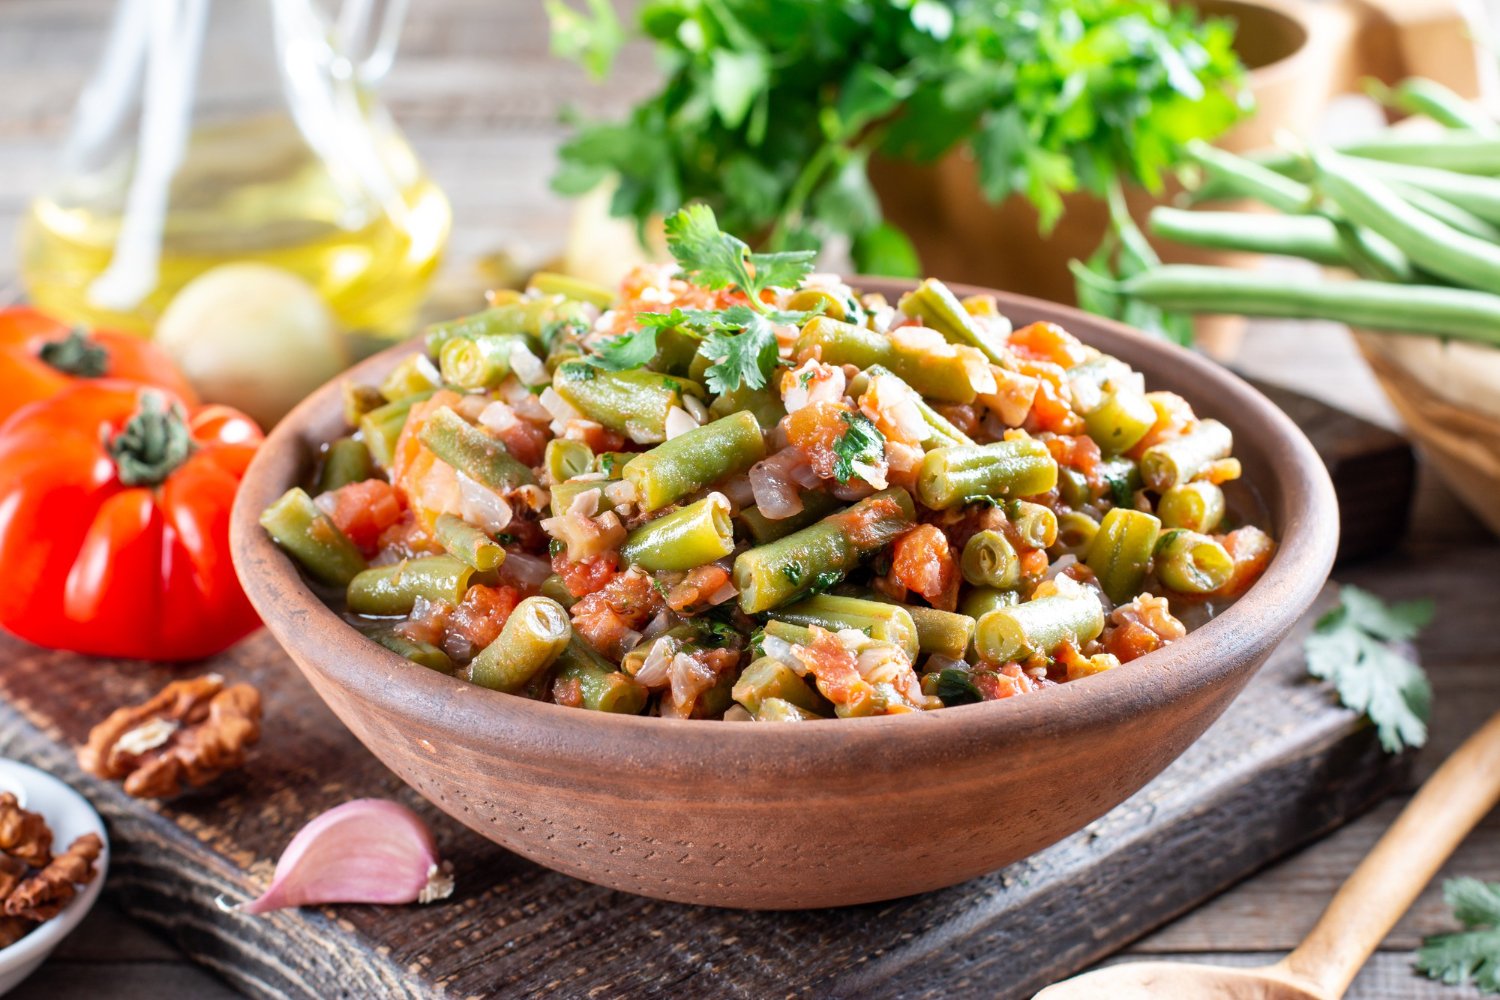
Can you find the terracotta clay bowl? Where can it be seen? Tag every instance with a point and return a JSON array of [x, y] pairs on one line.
[[821, 813]]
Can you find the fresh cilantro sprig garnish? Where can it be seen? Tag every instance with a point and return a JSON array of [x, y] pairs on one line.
[[714, 259], [859, 449], [1472, 954], [1352, 647]]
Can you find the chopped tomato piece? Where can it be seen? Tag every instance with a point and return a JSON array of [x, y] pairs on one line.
[[1251, 550], [1174, 417], [693, 592], [363, 511], [923, 561], [584, 576], [483, 613], [1048, 342], [612, 617], [525, 441], [814, 430], [1081, 453]]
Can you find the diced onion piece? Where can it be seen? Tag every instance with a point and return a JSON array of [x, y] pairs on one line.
[[695, 408], [482, 506], [558, 408], [679, 422], [498, 417], [527, 367], [771, 483]]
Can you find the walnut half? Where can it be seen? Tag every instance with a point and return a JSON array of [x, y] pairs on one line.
[[190, 733]]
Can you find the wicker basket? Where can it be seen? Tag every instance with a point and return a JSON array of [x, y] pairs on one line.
[[1449, 396]]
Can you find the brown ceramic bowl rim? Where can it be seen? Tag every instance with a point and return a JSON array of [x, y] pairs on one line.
[[397, 687]]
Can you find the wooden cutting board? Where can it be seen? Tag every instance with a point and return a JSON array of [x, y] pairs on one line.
[[1283, 766]]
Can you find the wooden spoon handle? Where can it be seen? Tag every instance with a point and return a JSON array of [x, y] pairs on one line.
[[1394, 873]]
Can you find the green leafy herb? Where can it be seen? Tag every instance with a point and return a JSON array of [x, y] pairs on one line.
[[555, 547], [1472, 954], [771, 113], [1351, 646], [793, 573], [745, 358], [715, 259], [956, 687], [824, 580], [627, 351], [859, 449]]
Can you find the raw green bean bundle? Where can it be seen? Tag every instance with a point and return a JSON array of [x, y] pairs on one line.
[[1019, 468], [534, 636], [296, 524], [695, 459], [1039, 626], [820, 555]]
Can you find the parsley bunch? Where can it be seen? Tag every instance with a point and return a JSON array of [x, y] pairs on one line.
[[1472, 954], [739, 340], [1352, 647], [770, 112]]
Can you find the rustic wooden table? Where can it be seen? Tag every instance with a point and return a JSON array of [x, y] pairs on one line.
[[479, 96]]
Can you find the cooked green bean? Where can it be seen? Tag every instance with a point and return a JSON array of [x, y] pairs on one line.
[[472, 451], [765, 403], [818, 556], [1120, 420], [421, 653], [1423, 310], [989, 560], [462, 540], [945, 633], [635, 403], [778, 710], [695, 459], [941, 310], [381, 427], [815, 504], [815, 300], [600, 687], [557, 589], [1076, 531], [1193, 506], [1120, 554], [611, 462], [346, 461], [886, 622], [564, 493], [944, 434], [569, 287], [1435, 247], [769, 678], [980, 601], [528, 316], [1073, 487], [1036, 524], [1019, 468], [534, 636], [1179, 460], [359, 400], [565, 459], [394, 589], [1038, 627], [1192, 563], [415, 375], [296, 524], [691, 536], [943, 378], [479, 362]]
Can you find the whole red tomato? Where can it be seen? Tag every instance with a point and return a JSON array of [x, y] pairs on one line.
[[40, 357], [114, 523]]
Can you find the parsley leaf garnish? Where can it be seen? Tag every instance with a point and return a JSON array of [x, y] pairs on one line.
[[627, 351], [1472, 954], [1350, 646], [956, 687], [715, 259], [859, 449], [745, 358]]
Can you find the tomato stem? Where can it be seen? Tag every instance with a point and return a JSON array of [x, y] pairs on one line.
[[76, 354], [153, 443]]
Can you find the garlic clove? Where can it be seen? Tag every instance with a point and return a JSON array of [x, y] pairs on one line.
[[365, 851]]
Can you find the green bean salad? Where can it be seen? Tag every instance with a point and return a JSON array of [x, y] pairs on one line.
[[737, 489]]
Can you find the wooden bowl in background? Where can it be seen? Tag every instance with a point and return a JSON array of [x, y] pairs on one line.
[[821, 813]]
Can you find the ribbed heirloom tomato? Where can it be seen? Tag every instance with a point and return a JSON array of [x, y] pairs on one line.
[[114, 523], [40, 357]]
